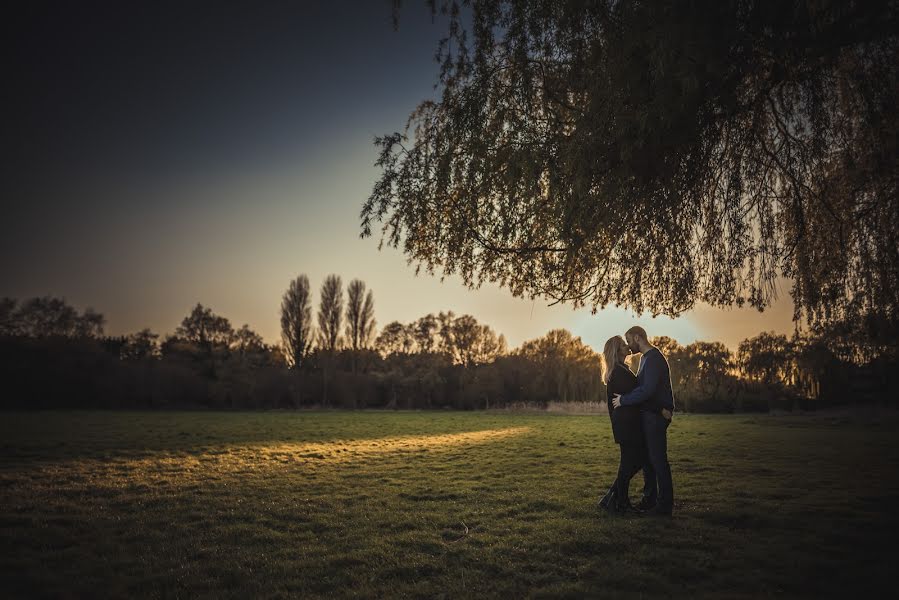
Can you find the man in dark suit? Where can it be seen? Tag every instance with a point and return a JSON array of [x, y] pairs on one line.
[[656, 400]]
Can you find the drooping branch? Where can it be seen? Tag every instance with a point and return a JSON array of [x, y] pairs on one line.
[[654, 155]]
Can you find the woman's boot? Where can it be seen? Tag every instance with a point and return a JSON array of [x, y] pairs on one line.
[[609, 494]]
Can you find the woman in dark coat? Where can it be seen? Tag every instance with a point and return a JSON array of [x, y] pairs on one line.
[[627, 426]]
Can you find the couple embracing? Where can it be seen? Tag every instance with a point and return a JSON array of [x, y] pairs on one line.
[[641, 408]]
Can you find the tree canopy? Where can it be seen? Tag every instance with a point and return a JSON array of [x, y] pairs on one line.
[[205, 328], [48, 316], [330, 313], [462, 339], [296, 320], [656, 154]]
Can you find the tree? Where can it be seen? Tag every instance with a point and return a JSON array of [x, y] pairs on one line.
[[426, 331], [360, 316], [816, 363], [568, 369], [330, 313], [707, 368], [45, 317], [667, 346], [8, 324], [203, 340], [395, 338], [141, 345], [296, 321], [465, 332], [246, 341], [90, 324], [205, 328], [330, 318], [473, 343], [671, 349], [765, 357], [462, 339], [248, 355], [725, 143], [445, 331], [50, 317]]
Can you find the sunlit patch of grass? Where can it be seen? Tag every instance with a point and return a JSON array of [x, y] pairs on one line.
[[413, 504], [174, 468]]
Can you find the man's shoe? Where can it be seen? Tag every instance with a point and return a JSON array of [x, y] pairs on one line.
[[646, 505], [627, 507], [659, 511]]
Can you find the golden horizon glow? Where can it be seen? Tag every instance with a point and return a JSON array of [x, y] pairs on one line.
[[238, 257]]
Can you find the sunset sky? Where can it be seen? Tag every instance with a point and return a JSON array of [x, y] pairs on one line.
[[163, 154]]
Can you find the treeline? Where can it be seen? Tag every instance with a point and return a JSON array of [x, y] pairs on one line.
[[775, 372], [52, 356]]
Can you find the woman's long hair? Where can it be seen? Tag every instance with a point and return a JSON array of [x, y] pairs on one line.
[[610, 357]]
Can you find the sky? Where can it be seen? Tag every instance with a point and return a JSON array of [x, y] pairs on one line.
[[161, 154]]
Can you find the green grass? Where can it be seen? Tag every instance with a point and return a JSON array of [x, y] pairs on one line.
[[430, 504]]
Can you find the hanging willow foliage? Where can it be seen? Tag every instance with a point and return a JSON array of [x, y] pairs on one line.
[[656, 154]]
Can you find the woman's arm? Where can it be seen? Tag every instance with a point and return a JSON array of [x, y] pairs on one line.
[[610, 390]]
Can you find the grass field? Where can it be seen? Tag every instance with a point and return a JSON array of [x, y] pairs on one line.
[[429, 504]]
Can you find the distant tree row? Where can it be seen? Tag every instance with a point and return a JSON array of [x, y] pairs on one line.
[[52, 355], [351, 328], [462, 339]]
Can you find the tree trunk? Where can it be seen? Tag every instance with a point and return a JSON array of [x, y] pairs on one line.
[[392, 404]]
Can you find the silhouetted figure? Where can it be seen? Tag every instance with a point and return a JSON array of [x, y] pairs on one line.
[[627, 427], [655, 398]]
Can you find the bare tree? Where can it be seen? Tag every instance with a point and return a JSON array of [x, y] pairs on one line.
[[330, 313], [296, 321]]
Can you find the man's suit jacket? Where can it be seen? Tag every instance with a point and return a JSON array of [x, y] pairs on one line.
[[653, 391]]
